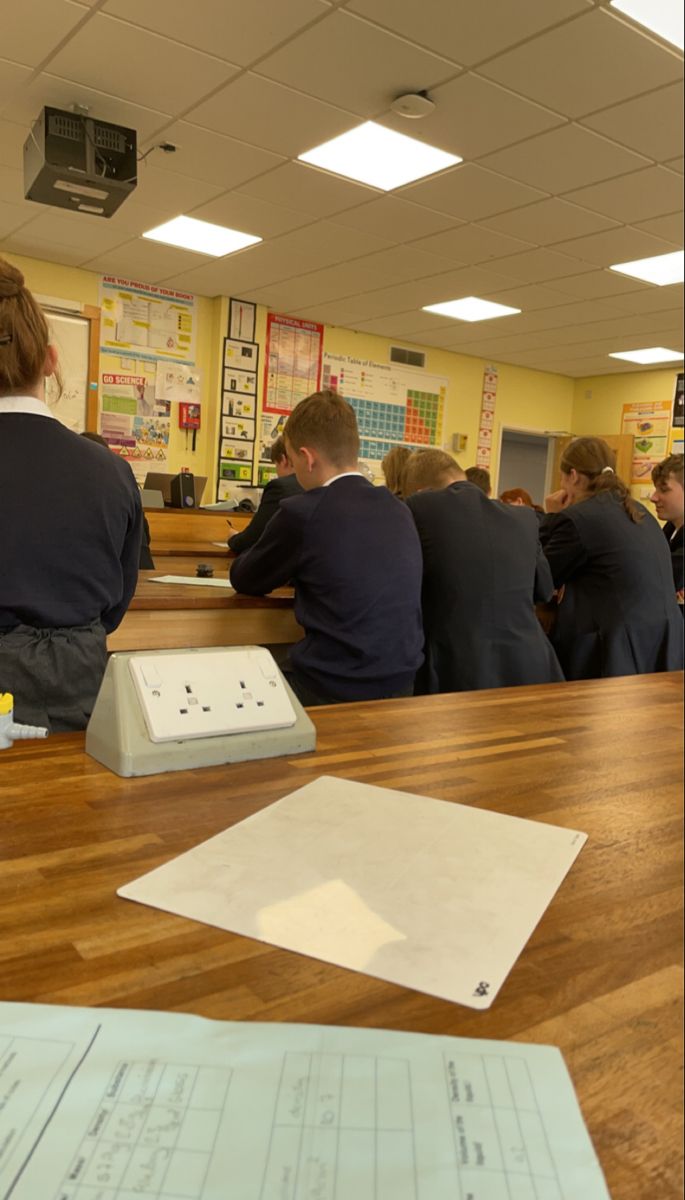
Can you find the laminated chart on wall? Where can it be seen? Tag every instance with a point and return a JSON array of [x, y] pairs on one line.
[[147, 321], [487, 418], [650, 425], [134, 421], [237, 428], [115, 1104], [293, 362], [394, 406]]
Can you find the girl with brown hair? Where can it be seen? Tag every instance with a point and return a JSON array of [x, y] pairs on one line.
[[70, 529], [618, 615]]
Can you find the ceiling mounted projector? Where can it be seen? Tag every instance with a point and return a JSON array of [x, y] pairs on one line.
[[72, 161], [413, 105]]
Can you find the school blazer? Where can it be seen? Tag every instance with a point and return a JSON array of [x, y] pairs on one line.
[[483, 568], [276, 490], [618, 615]]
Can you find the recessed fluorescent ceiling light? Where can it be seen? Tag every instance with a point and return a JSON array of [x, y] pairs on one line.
[[655, 354], [379, 156], [663, 269], [470, 308], [201, 236], [664, 17]]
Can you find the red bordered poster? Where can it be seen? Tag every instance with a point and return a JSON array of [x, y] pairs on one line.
[[293, 362]]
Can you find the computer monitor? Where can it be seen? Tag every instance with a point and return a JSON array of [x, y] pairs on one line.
[[162, 483]]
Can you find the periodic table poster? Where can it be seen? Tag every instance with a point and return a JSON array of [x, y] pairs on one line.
[[394, 405]]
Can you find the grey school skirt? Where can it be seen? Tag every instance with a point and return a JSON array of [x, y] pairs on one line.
[[53, 674]]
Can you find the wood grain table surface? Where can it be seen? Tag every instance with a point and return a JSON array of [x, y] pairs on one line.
[[601, 976]]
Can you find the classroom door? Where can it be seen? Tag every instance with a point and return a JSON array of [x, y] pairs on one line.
[[620, 443]]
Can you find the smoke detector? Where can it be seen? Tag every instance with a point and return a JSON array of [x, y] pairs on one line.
[[413, 105]]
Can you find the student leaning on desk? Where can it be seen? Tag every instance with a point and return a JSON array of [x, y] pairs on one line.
[[353, 555], [70, 531]]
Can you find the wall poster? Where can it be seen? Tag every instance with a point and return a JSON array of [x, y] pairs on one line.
[[293, 362], [147, 321], [394, 405], [650, 426], [237, 426]]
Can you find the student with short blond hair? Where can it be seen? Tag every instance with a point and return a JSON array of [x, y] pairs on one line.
[[482, 571], [70, 531], [353, 555]]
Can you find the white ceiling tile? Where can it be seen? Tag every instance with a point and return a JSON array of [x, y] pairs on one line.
[[401, 263], [466, 31], [408, 325], [12, 138], [272, 116], [471, 244], [320, 245], [586, 65], [624, 244], [396, 219], [217, 278], [12, 77], [529, 297], [12, 216], [21, 242], [329, 314], [135, 218], [162, 189], [634, 197], [537, 266], [549, 221], [12, 186], [309, 190], [564, 158], [31, 33], [202, 154], [343, 60], [242, 212], [50, 90], [651, 299], [595, 285], [227, 28], [676, 164], [341, 284], [147, 261], [473, 117], [92, 235], [669, 227], [138, 66], [471, 193], [652, 124]]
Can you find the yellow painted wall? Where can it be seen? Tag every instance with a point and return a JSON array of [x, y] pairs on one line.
[[526, 399], [598, 401], [73, 283]]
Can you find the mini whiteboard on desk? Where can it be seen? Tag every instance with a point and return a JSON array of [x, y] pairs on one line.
[[423, 893]]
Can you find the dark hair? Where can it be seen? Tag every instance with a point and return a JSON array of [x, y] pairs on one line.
[[393, 466], [673, 465], [429, 469], [517, 494], [95, 437], [593, 458], [24, 334], [481, 478], [325, 422], [277, 450]]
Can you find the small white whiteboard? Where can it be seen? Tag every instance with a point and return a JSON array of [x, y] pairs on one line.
[[423, 893], [70, 333]]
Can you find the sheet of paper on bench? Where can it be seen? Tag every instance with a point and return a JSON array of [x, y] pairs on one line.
[[115, 1103], [192, 581], [431, 895]]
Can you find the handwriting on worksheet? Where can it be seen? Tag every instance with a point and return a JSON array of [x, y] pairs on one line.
[[117, 1105]]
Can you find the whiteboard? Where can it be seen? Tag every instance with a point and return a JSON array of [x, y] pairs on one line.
[[70, 333]]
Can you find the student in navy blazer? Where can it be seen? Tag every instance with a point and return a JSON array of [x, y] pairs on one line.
[[285, 484], [352, 552]]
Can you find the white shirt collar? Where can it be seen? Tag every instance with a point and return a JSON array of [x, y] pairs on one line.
[[342, 475], [25, 404]]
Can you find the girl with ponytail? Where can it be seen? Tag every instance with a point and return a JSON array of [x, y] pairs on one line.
[[618, 615], [70, 529]]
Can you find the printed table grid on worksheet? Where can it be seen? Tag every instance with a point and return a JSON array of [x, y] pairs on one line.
[[500, 1143], [152, 1133]]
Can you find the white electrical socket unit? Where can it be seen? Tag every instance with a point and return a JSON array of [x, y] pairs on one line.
[[210, 693]]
